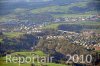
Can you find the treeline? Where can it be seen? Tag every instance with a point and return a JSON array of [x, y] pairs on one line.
[[23, 43], [74, 27]]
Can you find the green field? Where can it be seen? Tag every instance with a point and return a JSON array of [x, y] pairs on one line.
[[40, 53], [89, 23], [71, 15], [13, 34], [52, 26], [55, 25], [0, 40], [57, 8], [48, 64]]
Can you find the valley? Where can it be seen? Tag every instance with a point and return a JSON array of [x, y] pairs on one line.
[[67, 30]]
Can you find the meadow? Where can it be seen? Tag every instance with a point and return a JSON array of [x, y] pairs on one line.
[[26, 54]]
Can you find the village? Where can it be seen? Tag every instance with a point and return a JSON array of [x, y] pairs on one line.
[[82, 38], [31, 27]]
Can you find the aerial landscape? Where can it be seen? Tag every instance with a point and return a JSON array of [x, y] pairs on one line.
[[49, 32]]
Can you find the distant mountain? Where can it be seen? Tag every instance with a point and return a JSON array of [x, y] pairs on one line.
[[8, 6], [67, 1], [24, 1]]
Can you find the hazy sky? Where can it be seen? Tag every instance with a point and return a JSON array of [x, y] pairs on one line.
[[23, 0]]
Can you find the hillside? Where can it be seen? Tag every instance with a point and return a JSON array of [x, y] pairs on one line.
[[73, 8], [58, 6], [64, 32], [44, 11]]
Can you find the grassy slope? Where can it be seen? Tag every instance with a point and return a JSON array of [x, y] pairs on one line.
[[0, 39], [57, 8], [71, 15], [13, 34], [16, 64], [55, 25], [89, 23], [52, 26], [63, 9], [54, 8], [40, 53]]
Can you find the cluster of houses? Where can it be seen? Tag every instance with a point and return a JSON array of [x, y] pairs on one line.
[[82, 39], [31, 29], [26, 28], [73, 19]]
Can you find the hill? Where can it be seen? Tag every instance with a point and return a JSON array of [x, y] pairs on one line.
[[63, 5], [73, 8]]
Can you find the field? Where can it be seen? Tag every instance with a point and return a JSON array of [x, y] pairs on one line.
[[13, 34], [57, 8], [40, 53], [55, 25], [52, 26], [12, 64], [89, 23], [71, 15], [0, 40]]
